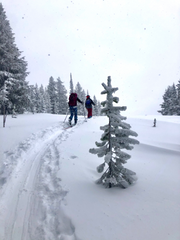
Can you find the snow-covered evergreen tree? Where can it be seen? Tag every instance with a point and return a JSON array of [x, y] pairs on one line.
[[165, 106], [47, 101], [83, 99], [52, 90], [178, 98], [42, 107], [95, 108], [116, 137], [170, 101], [37, 99], [61, 97], [174, 100], [31, 99], [81, 95], [3, 94], [99, 108], [13, 67], [71, 85]]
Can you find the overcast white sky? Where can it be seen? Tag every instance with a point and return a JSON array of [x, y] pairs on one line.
[[136, 42]]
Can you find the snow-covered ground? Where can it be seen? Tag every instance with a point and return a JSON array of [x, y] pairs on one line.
[[48, 190]]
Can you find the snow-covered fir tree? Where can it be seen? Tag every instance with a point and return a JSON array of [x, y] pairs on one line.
[[170, 104], [178, 98], [38, 99], [3, 94], [82, 106], [31, 99], [38, 106], [47, 101], [116, 137], [61, 97], [94, 109], [81, 95], [71, 85], [42, 100], [13, 68], [174, 100], [97, 108], [178, 90], [52, 90]]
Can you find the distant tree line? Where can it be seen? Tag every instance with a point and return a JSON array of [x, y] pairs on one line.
[[53, 99], [16, 95], [171, 100]]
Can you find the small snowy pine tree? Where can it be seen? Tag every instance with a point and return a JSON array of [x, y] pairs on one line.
[[115, 137]]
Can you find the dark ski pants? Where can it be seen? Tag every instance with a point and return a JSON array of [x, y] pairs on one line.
[[89, 112], [73, 112]]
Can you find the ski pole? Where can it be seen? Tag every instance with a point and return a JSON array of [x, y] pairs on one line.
[[66, 115], [84, 113]]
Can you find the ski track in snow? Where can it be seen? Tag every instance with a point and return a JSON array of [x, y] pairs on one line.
[[31, 193]]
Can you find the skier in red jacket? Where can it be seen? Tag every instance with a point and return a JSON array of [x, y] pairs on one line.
[[88, 104], [73, 107]]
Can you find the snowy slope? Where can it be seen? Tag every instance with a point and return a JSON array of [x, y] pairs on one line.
[[47, 188]]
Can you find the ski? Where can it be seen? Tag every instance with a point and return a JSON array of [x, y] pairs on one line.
[[70, 126]]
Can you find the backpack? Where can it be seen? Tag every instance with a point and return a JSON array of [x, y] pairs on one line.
[[88, 102], [73, 99]]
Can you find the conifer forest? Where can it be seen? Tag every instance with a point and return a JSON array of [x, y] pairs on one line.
[[17, 95]]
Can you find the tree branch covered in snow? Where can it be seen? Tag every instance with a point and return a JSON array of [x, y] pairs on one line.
[[13, 69], [116, 136]]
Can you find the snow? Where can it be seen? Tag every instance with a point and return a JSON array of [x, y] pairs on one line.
[[48, 190]]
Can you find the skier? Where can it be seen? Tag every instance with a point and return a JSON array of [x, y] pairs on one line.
[[88, 104], [73, 107]]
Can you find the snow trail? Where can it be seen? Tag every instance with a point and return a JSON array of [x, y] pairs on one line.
[[31, 198], [61, 209]]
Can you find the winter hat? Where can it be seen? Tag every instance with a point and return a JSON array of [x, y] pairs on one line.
[[87, 96]]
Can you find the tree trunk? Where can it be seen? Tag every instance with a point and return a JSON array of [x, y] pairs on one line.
[[110, 150], [110, 173], [4, 116]]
